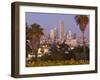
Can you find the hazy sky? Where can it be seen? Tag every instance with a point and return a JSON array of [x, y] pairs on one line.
[[49, 21]]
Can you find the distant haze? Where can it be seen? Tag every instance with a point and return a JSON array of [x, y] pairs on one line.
[[49, 21]]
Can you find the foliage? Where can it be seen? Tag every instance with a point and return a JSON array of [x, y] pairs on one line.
[[56, 63], [56, 57], [33, 34], [82, 21]]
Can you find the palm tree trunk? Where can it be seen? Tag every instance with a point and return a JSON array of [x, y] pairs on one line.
[[84, 47]]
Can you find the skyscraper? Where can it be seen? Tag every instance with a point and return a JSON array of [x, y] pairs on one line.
[[56, 33], [74, 36], [53, 34], [69, 35], [61, 30]]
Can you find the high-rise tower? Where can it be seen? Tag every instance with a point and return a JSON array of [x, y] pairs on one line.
[[69, 35], [61, 30], [52, 34]]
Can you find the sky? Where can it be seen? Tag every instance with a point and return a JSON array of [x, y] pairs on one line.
[[49, 21]]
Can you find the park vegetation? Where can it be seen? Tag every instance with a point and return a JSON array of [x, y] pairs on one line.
[[56, 56]]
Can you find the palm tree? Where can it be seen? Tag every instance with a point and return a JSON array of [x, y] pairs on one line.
[[82, 21], [34, 33]]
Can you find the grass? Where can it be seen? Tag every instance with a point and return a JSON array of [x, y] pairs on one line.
[[55, 63]]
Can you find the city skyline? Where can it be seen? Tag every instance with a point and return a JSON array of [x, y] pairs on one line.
[[49, 21], [56, 37]]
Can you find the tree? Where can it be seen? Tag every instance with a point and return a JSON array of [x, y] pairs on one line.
[[82, 21], [34, 33]]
